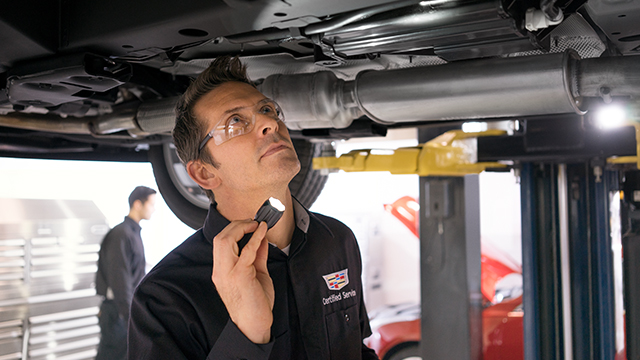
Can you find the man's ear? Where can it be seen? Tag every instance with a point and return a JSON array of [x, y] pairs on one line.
[[137, 205], [203, 174]]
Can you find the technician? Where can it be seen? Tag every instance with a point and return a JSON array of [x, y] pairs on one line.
[[121, 266], [236, 289]]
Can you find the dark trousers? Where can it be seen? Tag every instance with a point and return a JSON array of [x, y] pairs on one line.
[[113, 329]]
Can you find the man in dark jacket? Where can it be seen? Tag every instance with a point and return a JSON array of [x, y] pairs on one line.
[[237, 289], [121, 266]]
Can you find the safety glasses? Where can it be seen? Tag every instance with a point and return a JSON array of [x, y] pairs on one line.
[[241, 120]]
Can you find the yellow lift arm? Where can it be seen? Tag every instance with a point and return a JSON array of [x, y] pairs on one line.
[[629, 159], [453, 153]]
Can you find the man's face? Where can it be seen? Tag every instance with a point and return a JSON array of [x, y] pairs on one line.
[[148, 207], [263, 158]]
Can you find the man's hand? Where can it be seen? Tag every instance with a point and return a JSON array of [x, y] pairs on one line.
[[243, 282]]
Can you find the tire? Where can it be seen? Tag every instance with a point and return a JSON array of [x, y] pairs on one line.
[[408, 352], [183, 196], [190, 204], [308, 184]]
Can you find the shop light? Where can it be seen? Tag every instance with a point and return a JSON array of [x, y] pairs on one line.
[[474, 127], [610, 116]]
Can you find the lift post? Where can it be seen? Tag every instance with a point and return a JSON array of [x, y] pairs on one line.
[[540, 263], [450, 265], [450, 268], [589, 191], [568, 302]]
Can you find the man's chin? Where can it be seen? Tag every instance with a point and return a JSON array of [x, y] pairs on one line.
[[297, 169], [293, 166], [289, 167]]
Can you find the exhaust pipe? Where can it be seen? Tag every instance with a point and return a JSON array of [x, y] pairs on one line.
[[472, 90], [151, 117], [463, 90]]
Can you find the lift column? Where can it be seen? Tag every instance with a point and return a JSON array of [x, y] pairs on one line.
[[567, 253], [567, 261], [450, 265], [541, 263], [590, 190]]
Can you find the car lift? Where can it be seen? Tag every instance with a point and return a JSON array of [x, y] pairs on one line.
[[568, 170]]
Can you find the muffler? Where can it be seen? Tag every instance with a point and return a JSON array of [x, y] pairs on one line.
[[463, 90]]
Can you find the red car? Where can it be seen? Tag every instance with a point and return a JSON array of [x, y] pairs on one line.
[[396, 328]]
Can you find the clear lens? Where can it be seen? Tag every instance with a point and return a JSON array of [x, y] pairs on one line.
[[242, 122]]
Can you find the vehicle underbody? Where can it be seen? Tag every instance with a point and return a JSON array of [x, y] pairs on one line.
[[99, 81]]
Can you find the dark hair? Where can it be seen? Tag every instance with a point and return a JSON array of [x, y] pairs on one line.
[[189, 131], [140, 193]]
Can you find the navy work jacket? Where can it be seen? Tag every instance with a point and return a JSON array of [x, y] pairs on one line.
[[319, 312]]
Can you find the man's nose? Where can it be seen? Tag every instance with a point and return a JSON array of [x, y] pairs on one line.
[[266, 124]]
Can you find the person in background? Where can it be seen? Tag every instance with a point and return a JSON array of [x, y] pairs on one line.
[[121, 266], [237, 289]]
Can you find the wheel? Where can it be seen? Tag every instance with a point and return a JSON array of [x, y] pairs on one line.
[[409, 352], [190, 204], [308, 184], [183, 196]]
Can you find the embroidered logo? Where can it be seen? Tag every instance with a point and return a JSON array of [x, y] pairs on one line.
[[337, 280]]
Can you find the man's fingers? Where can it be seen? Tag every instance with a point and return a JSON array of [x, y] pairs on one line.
[[249, 252], [262, 255], [225, 247]]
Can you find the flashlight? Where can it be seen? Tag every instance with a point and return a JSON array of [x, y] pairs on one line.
[[270, 212]]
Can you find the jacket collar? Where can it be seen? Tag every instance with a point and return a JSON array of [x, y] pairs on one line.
[[132, 224], [215, 222], [301, 214]]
